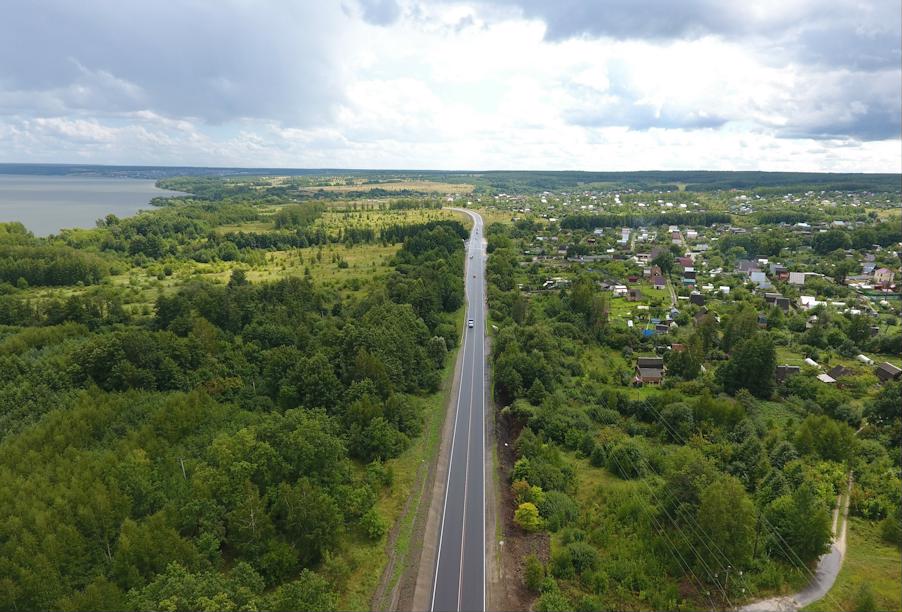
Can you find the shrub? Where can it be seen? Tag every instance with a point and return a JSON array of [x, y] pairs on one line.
[[526, 516], [533, 573], [558, 510], [583, 557], [625, 460]]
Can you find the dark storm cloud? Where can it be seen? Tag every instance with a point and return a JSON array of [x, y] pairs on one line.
[[214, 60], [851, 33]]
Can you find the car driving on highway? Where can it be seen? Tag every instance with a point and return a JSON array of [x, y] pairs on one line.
[[470, 323]]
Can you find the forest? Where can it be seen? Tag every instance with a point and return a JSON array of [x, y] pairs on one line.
[[225, 447]]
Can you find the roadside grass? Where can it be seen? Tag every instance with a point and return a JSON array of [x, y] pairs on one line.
[[869, 561], [367, 560], [492, 215]]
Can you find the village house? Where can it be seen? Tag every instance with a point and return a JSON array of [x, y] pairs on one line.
[[883, 277], [839, 371], [887, 372], [775, 299], [747, 266], [785, 371], [649, 370], [760, 279]]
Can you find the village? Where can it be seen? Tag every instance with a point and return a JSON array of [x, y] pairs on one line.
[[664, 280]]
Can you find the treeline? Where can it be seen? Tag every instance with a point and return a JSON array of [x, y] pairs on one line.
[[588, 222], [224, 454], [394, 234], [774, 217], [312, 236], [298, 239], [45, 264], [428, 274], [411, 204], [883, 234], [297, 216]]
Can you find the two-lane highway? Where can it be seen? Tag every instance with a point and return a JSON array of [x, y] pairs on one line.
[[460, 572]]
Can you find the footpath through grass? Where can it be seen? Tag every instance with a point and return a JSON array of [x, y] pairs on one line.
[[872, 570]]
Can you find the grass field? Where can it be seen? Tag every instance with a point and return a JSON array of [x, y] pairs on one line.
[[870, 565]]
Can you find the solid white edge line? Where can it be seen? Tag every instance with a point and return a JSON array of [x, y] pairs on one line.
[[484, 462], [441, 534]]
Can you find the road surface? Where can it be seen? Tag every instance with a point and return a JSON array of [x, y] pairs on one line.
[[460, 573]]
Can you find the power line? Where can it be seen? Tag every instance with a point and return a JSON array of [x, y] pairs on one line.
[[677, 554], [786, 548], [711, 575]]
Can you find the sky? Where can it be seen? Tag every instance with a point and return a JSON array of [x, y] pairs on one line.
[[806, 85]]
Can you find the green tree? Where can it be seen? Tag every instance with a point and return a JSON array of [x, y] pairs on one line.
[[820, 435], [536, 393], [664, 260], [739, 326], [803, 522], [726, 515], [751, 366], [626, 460]]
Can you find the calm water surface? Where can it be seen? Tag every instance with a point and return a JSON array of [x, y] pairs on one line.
[[47, 204]]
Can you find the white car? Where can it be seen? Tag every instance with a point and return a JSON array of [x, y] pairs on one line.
[[470, 323]]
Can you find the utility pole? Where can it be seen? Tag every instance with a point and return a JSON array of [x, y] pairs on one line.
[[184, 474]]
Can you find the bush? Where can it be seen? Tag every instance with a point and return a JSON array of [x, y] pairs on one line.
[[552, 600], [598, 457], [583, 557], [558, 510], [891, 530], [864, 599], [625, 460], [526, 516], [372, 524], [533, 573]]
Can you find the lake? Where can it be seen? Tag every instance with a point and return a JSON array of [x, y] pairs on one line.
[[47, 204]]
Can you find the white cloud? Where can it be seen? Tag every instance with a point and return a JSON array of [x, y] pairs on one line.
[[467, 85]]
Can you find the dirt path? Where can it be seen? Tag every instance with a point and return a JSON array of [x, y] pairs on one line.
[[828, 567]]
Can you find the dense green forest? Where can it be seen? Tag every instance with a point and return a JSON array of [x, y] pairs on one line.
[[220, 449]]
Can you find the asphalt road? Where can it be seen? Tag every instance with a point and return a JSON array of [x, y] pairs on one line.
[[460, 572]]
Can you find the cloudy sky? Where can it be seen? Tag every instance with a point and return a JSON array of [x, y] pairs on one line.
[[493, 84]]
